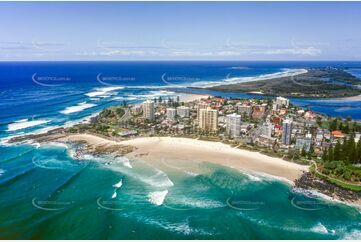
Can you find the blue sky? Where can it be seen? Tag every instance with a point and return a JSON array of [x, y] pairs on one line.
[[180, 31]]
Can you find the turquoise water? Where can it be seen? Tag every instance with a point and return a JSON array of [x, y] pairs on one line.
[[46, 194]]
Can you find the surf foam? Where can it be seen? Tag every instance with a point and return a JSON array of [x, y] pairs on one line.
[[119, 184], [157, 198], [26, 123], [103, 91], [77, 108], [236, 80]]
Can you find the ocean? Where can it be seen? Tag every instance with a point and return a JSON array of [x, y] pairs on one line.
[[47, 194]]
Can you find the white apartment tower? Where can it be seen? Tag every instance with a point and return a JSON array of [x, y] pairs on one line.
[[281, 101], [233, 124], [208, 119], [201, 106], [148, 110]]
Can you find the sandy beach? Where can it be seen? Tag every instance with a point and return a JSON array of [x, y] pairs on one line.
[[343, 99], [189, 97], [187, 153]]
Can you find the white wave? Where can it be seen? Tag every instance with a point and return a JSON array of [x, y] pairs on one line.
[[77, 108], [236, 80], [319, 228], [56, 144], [353, 235], [200, 203], [26, 123], [152, 94], [5, 141], [253, 177], [160, 179], [316, 194], [178, 227], [239, 68], [119, 184], [124, 161], [2, 171], [191, 173], [114, 194], [157, 198], [124, 98], [261, 176], [103, 91]]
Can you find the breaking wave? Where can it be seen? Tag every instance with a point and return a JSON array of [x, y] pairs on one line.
[[77, 108], [157, 198], [26, 123], [103, 91]]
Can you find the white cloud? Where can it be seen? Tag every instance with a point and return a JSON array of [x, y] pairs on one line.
[[306, 51]]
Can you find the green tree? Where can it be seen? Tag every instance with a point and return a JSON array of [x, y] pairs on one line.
[[330, 153], [333, 124], [337, 151], [303, 152], [325, 155], [358, 155]]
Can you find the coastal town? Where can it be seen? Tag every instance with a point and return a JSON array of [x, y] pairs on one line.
[[325, 148], [273, 127]]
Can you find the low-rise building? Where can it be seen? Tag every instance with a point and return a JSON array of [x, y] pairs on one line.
[[244, 109], [281, 101], [337, 134], [304, 143], [136, 110], [266, 141], [267, 129], [258, 111]]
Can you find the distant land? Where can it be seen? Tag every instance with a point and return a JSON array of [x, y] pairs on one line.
[[324, 82]]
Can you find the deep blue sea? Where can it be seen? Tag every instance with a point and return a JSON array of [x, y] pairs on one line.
[[45, 193]]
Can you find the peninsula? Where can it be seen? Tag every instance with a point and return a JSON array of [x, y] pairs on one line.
[[324, 82]]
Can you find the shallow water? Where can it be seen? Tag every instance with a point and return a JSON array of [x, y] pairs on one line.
[[64, 198], [47, 194]]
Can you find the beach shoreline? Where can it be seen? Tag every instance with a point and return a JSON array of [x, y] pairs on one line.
[[185, 150], [185, 154]]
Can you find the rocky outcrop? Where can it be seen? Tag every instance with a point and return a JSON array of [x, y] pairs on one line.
[[309, 181]]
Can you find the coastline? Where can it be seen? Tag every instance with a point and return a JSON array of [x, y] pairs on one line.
[[185, 154], [190, 97], [311, 85], [184, 151], [356, 98]]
